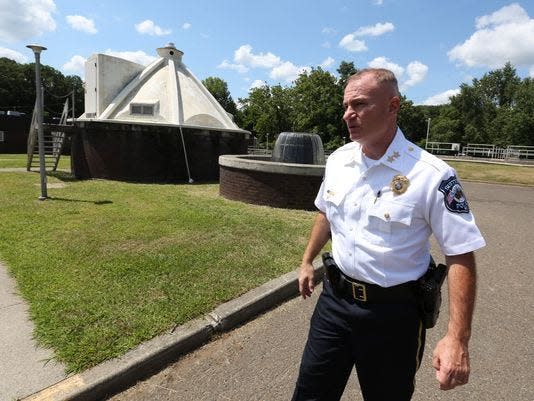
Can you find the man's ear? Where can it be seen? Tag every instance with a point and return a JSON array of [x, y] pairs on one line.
[[394, 104]]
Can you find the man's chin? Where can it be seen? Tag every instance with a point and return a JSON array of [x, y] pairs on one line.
[[355, 136]]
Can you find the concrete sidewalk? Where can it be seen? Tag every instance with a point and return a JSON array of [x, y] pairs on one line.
[[26, 368]]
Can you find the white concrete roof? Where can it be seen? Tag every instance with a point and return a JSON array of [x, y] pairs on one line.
[[165, 92]]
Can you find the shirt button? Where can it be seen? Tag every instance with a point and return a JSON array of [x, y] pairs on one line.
[[386, 215]]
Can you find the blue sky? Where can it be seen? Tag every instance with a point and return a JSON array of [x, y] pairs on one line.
[[432, 46]]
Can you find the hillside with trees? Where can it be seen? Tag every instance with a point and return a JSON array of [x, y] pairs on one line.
[[495, 109], [17, 88]]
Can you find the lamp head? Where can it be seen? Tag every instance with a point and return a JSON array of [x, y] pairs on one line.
[[36, 48]]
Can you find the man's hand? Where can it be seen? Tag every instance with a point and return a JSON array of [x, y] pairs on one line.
[[319, 236], [306, 280], [451, 356], [451, 361]]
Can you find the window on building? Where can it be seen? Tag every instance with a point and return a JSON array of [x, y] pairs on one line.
[[144, 109], [2, 136]]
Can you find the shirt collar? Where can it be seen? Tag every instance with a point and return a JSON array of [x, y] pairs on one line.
[[394, 157]]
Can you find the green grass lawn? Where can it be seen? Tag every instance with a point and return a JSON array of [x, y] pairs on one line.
[[20, 160], [504, 174], [106, 265]]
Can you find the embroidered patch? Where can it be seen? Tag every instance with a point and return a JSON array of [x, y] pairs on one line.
[[453, 195]]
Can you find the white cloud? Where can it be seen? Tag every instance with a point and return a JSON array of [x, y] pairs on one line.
[[513, 13], [258, 83], [326, 45], [383, 62], [76, 65], [327, 62], [505, 35], [245, 59], [378, 2], [287, 71], [441, 98], [375, 30], [13, 55], [350, 43], [80, 23], [139, 56], [186, 25], [24, 19], [416, 71], [328, 31], [148, 27], [231, 66], [244, 56], [531, 72]]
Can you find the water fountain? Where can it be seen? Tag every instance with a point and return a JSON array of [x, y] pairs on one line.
[[290, 178]]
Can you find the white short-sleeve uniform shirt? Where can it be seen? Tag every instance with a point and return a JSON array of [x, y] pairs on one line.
[[383, 212]]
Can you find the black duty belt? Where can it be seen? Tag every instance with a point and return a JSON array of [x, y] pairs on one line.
[[348, 287]]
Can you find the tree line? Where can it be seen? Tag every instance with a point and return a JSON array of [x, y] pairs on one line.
[[496, 109], [17, 88]]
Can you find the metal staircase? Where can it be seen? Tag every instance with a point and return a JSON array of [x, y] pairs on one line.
[[53, 142]]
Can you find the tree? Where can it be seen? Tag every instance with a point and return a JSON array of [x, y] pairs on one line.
[[267, 111], [411, 120], [219, 89], [499, 87], [345, 70], [446, 126], [317, 100], [17, 89]]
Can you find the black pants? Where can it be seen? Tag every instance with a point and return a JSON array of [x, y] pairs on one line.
[[384, 341]]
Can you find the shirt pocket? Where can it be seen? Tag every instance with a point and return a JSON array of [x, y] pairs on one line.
[[388, 222], [333, 195]]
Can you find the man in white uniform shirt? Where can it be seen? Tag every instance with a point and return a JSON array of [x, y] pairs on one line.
[[381, 199]]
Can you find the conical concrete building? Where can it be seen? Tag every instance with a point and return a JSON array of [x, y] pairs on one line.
[[154, 123]]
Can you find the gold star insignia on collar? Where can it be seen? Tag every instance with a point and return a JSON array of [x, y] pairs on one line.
[[394, 156]]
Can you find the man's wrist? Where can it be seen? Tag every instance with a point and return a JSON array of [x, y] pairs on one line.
[[462, 336]]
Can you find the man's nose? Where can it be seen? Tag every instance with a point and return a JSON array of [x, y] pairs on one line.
[[349, 113]]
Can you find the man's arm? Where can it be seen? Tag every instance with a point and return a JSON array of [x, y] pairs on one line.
[[320, 234], [451, 356]]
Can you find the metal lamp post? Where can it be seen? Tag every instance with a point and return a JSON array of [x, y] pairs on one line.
[[40, 133], [427, 132]]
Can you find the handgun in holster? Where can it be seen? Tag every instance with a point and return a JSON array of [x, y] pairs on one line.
[[331, 270], [429, 292]]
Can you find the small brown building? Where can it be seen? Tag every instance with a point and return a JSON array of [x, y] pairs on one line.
[[14, 128]]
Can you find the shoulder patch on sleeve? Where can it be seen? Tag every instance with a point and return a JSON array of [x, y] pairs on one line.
[[453, 195]]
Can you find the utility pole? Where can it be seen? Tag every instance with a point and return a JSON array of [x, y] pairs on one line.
[[40, 133], [427, 132]]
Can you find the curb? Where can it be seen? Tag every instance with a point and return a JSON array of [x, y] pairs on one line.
[[115, 375]]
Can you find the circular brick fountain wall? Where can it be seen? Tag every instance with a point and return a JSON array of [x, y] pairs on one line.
[[258, 180]]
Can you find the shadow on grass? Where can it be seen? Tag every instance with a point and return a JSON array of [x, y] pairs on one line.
[[98, 202], [62, 175]]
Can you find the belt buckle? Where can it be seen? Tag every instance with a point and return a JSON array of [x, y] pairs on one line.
[[359, 292]]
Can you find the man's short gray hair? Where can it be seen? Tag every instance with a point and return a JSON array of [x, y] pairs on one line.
[[381, 75]]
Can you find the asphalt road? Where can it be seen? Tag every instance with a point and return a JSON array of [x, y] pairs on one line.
[[259, 360]]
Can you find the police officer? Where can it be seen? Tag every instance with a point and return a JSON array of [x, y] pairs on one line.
[[381, 199]]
